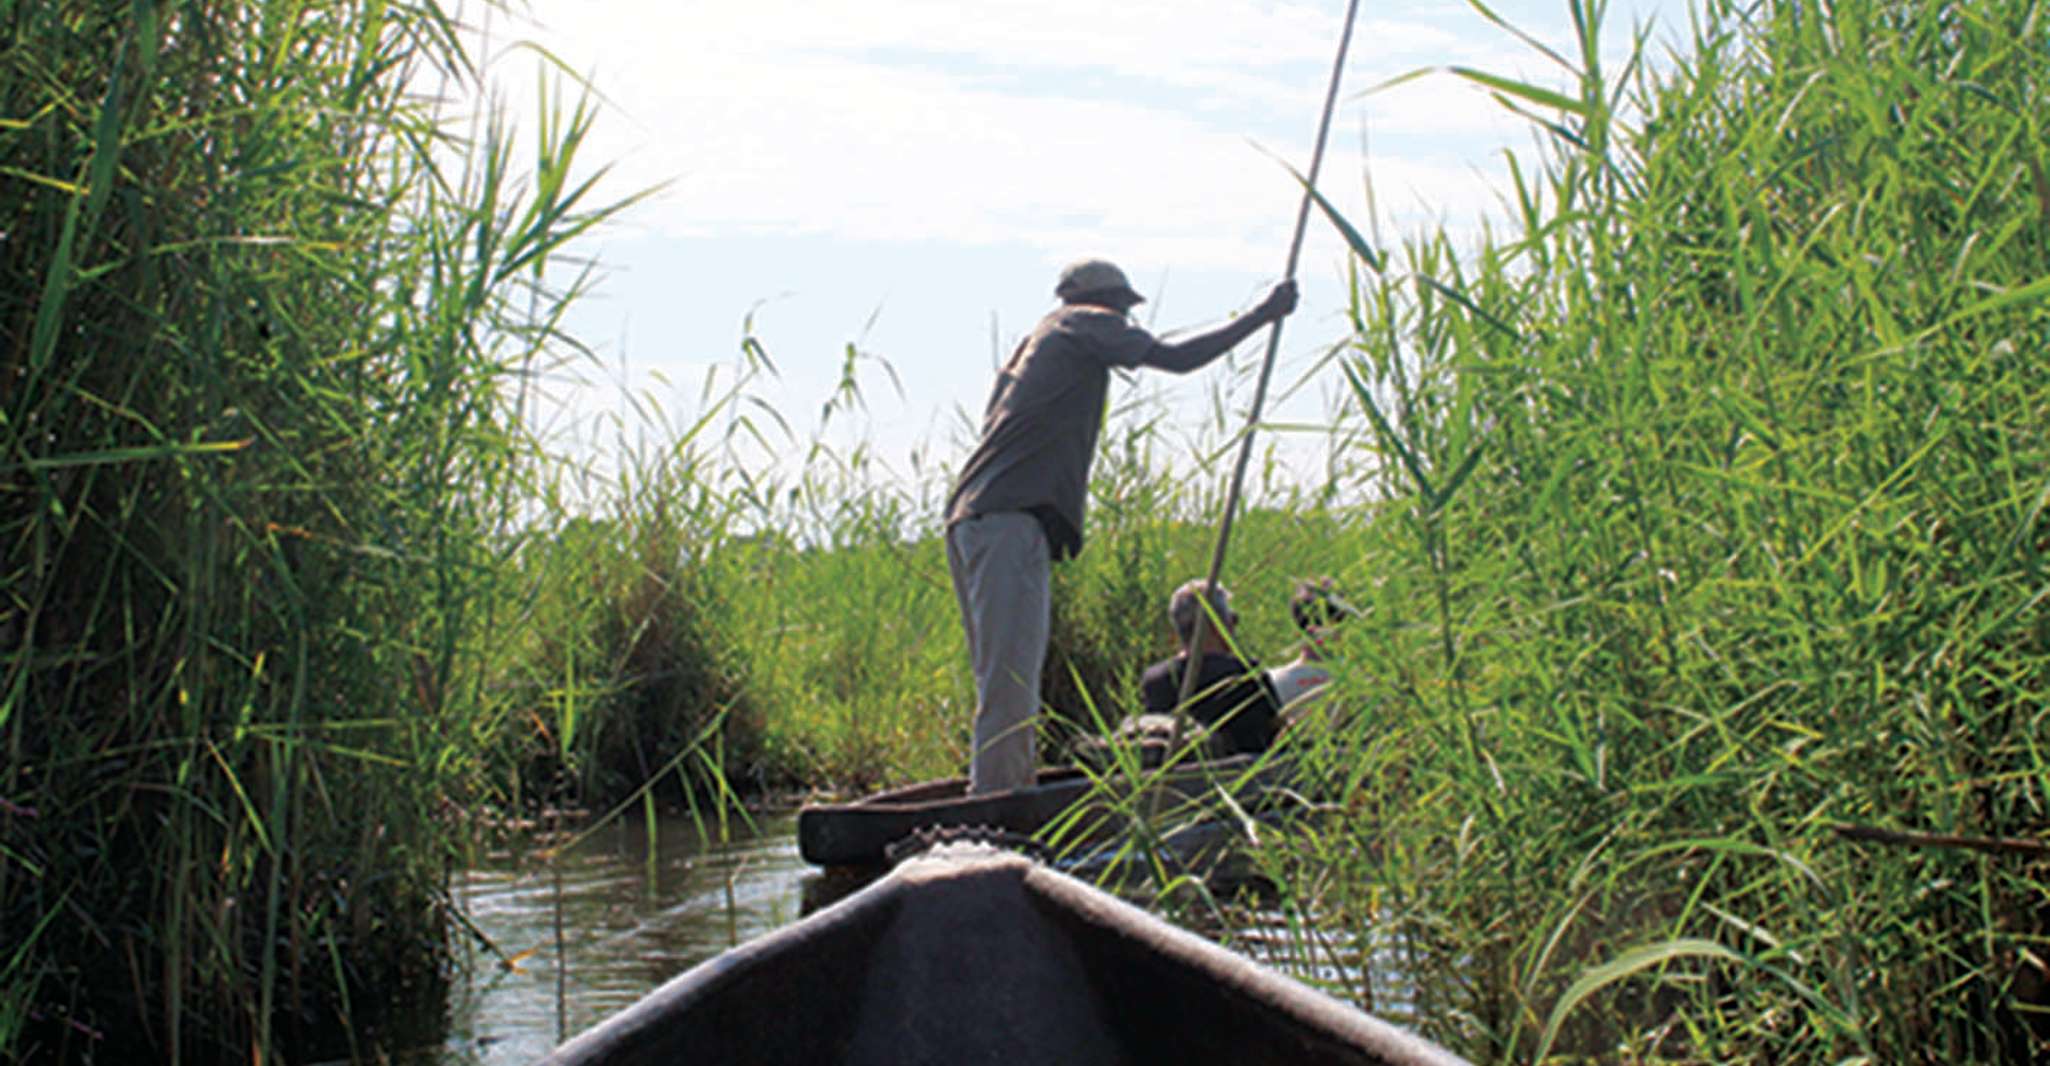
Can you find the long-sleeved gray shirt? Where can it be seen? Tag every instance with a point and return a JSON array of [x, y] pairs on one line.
[[1040, 429]]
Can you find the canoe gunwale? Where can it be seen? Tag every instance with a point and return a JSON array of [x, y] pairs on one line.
[[931, 910]]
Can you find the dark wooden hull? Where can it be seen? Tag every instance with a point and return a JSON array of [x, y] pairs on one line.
[[859, 833], [972, 955]]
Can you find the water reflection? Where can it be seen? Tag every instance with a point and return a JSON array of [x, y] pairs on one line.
[[632, 917], [635, 915]]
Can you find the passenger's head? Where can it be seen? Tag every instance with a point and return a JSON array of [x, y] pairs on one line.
[[1186, 605], [1097, 282], [1316, 606]]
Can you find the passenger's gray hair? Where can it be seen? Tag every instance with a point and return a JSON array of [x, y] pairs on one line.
[[1184, 605]]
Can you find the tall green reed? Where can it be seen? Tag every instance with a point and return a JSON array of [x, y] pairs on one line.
[[266, 316], [1714, 526]]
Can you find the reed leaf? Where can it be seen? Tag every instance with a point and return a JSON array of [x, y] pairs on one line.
[[1629, 964]]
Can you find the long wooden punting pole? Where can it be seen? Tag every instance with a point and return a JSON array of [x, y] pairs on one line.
[[1238, 475]]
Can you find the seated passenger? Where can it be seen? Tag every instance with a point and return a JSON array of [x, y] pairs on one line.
[[1317, 610], [1231, 700]]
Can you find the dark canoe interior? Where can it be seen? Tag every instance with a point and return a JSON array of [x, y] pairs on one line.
[[858, 833], [973, 955]]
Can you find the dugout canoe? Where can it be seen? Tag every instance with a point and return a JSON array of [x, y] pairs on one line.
[[859, 833], [970, 954]]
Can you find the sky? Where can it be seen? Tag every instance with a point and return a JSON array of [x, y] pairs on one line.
[[908, 176]]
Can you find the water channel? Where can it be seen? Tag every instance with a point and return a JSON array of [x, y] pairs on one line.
[[632, 916], [637, 908]]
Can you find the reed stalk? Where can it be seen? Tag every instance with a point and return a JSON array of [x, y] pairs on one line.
[[262, 319], [1714, 522]]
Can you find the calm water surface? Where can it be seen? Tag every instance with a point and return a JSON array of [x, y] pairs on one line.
[[632, 918]]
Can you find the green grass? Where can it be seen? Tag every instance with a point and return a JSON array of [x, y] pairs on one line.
[[1716, 522], [265, 316]]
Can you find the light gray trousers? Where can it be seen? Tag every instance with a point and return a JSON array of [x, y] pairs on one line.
[[1002, 569]]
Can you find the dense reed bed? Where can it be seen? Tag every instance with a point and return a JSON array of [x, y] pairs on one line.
[[1704, 720], [265, 321]]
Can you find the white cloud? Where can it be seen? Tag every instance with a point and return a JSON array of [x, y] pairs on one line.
[[1049, 123], [925, 143]]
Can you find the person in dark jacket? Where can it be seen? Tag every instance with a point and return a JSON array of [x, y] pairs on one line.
[[1232, 699], [1017, 505]]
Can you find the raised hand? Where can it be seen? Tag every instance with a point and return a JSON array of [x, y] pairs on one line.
[[1279, 301]]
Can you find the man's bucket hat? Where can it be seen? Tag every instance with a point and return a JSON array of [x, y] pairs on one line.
[[1086, 276]]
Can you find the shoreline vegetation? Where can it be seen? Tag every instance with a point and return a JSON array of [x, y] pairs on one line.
[[1696, 713]]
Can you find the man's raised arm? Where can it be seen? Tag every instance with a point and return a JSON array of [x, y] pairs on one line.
[[1187, 353]]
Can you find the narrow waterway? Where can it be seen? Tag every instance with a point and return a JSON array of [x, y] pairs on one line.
[[635, 912], [636, 909]]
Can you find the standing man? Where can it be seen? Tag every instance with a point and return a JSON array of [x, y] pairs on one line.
[[1019, 501]]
